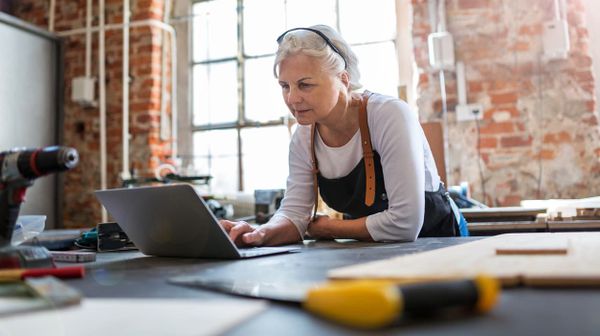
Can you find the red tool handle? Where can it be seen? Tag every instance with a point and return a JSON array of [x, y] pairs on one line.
[[63, 272]]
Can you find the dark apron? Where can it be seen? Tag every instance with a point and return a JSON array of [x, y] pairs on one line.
[[347, 195]]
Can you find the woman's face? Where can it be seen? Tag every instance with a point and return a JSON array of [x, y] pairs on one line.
[[309, 92]]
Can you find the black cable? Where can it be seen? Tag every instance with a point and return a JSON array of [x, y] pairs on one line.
[[481, 177]]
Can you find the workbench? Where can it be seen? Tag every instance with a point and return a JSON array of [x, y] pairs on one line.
[[521, 311]]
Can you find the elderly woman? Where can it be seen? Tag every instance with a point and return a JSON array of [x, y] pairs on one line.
[[365, 153]]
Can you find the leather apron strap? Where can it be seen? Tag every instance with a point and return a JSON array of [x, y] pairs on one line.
[[365, 140], [367, 156], [315, 170]]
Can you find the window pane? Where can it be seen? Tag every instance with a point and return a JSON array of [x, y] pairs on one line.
[[304, 13], [262, 91], [265, 157], [363, 23], [215, 154], [260, 34], [215, 29], [378, 66], [215, 93]]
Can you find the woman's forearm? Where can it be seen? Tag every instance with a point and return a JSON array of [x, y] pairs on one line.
[[324, 227], [352, 228]]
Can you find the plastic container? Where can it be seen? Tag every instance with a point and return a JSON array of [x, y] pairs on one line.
[[27, 227]]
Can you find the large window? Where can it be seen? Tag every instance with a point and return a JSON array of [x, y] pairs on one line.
[[241, 127]]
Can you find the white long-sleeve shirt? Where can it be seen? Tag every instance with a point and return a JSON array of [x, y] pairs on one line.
[[408, 169]]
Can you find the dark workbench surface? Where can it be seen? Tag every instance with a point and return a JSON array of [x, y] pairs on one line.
[[521, 311]]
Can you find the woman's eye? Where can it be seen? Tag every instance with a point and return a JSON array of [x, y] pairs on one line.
[[304, 85]]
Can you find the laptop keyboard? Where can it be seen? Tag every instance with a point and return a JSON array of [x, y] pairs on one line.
[[257, 251]]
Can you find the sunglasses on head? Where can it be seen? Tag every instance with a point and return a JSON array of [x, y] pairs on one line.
[[325, 38]]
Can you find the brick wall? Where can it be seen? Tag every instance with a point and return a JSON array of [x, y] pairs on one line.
[[81, 125], [539, 133]]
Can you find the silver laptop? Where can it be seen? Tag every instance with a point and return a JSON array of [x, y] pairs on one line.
[[173, 221]]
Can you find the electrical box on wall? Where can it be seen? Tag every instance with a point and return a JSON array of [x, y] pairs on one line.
[[556, 39], [82, 91], [441, 50], [468, 112]]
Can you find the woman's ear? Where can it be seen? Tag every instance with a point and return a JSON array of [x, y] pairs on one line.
[[345, 78]]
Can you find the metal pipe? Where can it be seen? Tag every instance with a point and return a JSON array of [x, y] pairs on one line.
[[557, 10], [432, 9], [442, 16], [125, 82], [102, 89], [461, 87], [51, 11], [445, 123], [174, 114], [164, 129], [88, 40]]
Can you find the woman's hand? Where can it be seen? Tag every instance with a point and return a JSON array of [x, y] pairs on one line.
[[242, 233], [321, 228]]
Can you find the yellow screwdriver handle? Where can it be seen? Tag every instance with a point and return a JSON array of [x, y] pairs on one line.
[[376, 303]]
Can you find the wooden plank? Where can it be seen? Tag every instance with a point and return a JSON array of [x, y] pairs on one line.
[[511, 226], [501, 214], [579, 267], [525, 250]]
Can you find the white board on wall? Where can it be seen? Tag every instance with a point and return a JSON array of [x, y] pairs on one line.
[[30, 91]]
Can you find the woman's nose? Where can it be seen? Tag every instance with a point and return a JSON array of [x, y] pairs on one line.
[[293, 96]]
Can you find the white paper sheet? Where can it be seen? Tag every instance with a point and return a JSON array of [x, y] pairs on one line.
[[111, 317]]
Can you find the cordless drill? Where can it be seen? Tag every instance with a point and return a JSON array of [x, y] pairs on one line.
[[18, 169]]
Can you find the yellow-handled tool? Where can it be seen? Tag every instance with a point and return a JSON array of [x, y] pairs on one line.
[[375, 304]]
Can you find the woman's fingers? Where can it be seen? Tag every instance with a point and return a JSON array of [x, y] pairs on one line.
[[226, 224], [238, 230], [242, 233], [254, 238]]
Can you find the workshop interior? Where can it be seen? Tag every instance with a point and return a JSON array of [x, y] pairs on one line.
[[98, 95]]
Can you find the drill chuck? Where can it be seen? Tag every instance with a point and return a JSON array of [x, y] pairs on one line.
[[32, 163]]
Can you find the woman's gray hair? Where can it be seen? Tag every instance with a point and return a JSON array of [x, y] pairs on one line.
[[312, 44]]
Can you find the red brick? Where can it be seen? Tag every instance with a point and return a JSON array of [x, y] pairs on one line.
[[590, 105], [584, 76], [574, 19], [533, 29], [590, 120], [582, 61], [475, 86], [486, 158], [582, 32], [557, 138], [547, 154], [497, 128], [520, 46], [588, 87], [488, 142], [424, 78], [503, 85], [515, 141], [472, 4], [504, 98], [511, 200]]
